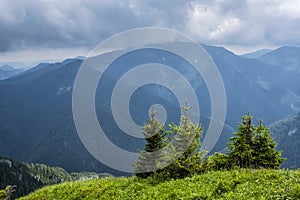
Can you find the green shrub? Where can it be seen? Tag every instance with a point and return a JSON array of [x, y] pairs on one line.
[[3, 195], [218, 161]]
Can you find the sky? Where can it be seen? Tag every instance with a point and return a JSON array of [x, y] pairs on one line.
[[32, 31]]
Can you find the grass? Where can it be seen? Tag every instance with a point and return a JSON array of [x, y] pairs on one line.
[[235, 184]]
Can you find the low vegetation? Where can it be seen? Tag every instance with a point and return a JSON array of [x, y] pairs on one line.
[[234, 184]]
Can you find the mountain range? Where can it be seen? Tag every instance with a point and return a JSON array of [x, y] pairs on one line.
[[36, 105], [7, 71], [256, 54]]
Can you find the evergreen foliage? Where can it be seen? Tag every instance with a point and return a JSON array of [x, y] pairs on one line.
[[252, 147], [218, 161], [155, 137], [286, 133], [18, 179], [28, 177], [182, 144], [7, 193], [241, 146], [185, 139]]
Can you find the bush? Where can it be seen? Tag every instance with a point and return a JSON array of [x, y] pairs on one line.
[[218, 161]]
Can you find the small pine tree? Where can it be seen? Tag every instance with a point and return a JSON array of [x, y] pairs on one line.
[[155, 138], [186, 143], [253, 147], [264, 153], [181, 156], [240, 147]]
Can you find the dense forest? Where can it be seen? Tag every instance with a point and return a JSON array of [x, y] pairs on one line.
[[18, 178]]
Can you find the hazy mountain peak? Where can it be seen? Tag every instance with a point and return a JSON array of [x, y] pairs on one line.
[[287, 57], [216, 49], [80, 58], [284, 51], [256, 54], [7, 67], [7, 71]]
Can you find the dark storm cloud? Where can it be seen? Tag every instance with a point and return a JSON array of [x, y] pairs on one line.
[[73, 23], [69, 23]]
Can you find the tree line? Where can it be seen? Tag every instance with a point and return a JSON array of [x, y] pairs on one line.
[[176, 152]]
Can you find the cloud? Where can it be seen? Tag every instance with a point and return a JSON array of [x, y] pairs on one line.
[[71, 23], [55, 24], [250, 22]]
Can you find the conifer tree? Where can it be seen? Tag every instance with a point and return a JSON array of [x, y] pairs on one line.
[[253, 147], [240, 147], [155, 138], [186, 141], [181, 156], [264, 153]]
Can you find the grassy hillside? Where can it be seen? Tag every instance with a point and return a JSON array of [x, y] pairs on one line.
[[235, 184]]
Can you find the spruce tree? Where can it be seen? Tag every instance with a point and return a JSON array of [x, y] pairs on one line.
[[264, 153], [155, 138], [181, 155], [253, 147], [186, 141], [240, 147]]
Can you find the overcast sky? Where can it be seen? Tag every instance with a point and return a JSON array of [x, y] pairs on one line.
[[35, 30]]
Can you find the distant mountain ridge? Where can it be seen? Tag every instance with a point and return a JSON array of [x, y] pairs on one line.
[[7, 71], [36, 114], [256, 54], [288, 56], [7, 67]]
